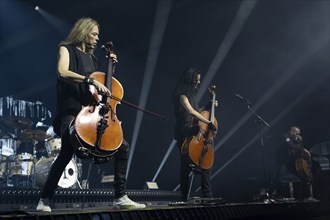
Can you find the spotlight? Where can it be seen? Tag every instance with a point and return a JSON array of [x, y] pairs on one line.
[[36, 8]]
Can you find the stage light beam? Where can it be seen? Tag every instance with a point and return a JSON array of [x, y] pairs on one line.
[[159, 27], [243, 13], [169, 150], [61, 27]]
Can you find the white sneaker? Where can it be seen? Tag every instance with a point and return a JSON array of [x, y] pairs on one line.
[[43, 205], [126, 203]]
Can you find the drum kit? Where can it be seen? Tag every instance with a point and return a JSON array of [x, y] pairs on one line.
[[26, 155]]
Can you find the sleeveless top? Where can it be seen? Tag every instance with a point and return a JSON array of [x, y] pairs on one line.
[[72, 96]]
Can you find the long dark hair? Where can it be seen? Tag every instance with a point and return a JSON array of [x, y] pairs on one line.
[[186, 84]]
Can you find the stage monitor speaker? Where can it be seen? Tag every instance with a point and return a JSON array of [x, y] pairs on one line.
[[108, 179], [150, 186]]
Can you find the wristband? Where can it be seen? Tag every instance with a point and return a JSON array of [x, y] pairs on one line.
[[88, 80]]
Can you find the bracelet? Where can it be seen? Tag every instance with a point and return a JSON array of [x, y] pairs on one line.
[[88, 80]]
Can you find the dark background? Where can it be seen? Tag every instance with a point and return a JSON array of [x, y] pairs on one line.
[[279, 61]]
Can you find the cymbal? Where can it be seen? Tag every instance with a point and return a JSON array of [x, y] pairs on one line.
[[37, 135], [16, 122]]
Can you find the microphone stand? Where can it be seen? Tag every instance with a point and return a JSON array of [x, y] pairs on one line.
[[261, 121]]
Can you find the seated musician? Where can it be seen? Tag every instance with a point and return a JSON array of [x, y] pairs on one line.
[[76, 62], [295, 165], [186, 109]]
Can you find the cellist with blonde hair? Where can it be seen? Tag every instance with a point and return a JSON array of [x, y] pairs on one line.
[[76, 62]]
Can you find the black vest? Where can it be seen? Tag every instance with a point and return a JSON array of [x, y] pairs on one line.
[[72, 96], [184, 120]]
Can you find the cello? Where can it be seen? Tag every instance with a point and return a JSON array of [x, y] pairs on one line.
[[200, 147], [96, 131], [303, 162]]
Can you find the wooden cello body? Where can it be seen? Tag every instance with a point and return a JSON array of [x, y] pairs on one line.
[[303, 164], [195, 145], [96, 131], [89, 117], [200, 147]]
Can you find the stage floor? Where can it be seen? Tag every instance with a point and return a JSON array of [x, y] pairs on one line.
[[178, 210], [20, 203]]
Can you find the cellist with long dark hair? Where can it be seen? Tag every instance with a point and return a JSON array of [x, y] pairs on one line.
[[186, 112], [76, 62]]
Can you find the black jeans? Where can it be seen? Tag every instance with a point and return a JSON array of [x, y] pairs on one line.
[[184, 175], [65, 155]]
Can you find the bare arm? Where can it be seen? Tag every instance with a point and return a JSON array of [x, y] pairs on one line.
[[63, 71], [186, 104], [65, 74]]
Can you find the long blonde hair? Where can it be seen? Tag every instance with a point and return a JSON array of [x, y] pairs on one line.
[[79, 31]]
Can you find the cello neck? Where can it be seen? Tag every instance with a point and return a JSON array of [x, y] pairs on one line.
[[212, 109], [111, 68], [108, 82], [212, 91]]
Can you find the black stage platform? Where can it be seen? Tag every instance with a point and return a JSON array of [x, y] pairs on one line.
[[68, 204]]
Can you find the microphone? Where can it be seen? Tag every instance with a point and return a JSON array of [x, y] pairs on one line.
[[242, 98]]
